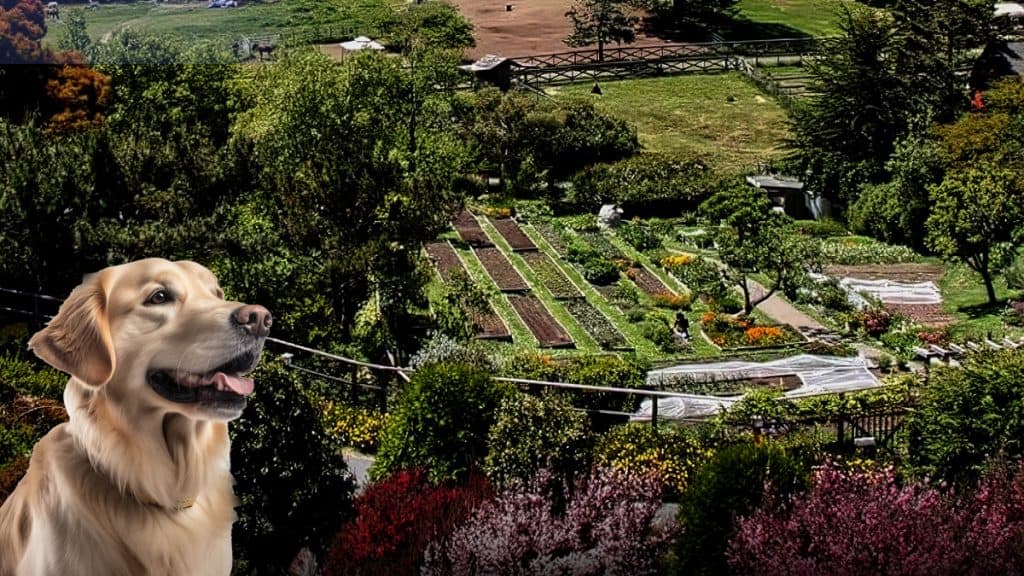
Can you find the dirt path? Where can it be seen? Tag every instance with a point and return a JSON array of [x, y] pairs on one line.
[[783, 312]]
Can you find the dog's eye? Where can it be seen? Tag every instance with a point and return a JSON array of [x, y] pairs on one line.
[[159, 297]]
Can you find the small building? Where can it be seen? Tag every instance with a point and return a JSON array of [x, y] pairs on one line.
[[496, 70], [786, 193]]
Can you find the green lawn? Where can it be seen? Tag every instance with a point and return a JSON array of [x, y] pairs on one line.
[[193, 20], [693, 114], [759, 19], [963, 294]]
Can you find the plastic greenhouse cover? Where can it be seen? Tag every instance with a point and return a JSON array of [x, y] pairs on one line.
[[817, 374], [893, 292]]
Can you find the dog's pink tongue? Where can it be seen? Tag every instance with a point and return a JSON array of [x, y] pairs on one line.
[[240, 386]]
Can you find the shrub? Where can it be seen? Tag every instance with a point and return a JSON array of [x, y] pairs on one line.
[[729, 486], [676, 261], [639, 235], [606, 370], [531, 433], [854, 251], [440, 421], [873, 321], [1014, 273], [1014, 313], [669, 453], [672, 301], [626, 295], [599, 270], [602, 527], [355, 426], [820, 228], [442, 348], [25, 377], [656, 329], [966, 414], [764, 336], [646, 185], [292, 482], [703, 278], [865, 522], [396, 519]]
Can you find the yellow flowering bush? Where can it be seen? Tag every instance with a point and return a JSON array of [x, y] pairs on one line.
[[354, 426], [676, 260], [672, 453]]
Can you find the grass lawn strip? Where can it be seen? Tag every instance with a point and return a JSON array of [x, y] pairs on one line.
[[551, 276], [502, 272], [521, 335], [509, 230], [548, 332], [577, 332], [756, 19], [963, 294], [641, 345]]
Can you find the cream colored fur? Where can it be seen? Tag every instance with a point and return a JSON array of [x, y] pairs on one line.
[[101, 491]]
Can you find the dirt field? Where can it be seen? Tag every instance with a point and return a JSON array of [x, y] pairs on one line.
[[532, 27], [926, 314]]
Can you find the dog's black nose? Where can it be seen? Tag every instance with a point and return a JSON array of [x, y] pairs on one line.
[[255, 319]]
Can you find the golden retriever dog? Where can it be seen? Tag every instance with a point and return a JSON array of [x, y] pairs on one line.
[[137, 481]]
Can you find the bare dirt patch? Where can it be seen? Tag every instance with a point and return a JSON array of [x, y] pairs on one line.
[[531, 27], [895, 272]]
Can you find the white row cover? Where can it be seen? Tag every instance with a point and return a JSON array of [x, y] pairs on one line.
[[892, 292], [818, 374]]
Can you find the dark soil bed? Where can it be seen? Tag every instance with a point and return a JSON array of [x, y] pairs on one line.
[[548, 332], [510, 231], [445, 260], [501, 270], [648, 282], [469, 230]]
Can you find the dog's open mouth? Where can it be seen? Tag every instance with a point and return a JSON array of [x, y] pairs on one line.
[[225, 385]]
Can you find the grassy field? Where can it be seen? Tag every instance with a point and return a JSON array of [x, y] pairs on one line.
[[757, 19], [193, 20], [963, 294], [693, 114]]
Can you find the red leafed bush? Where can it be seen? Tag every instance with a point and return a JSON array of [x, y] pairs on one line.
[[603, 527], [857, 523], [395, 520]]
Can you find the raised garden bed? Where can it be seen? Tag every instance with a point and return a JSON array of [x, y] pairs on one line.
[[596, 324], [604, 246], [509, 230], [551, 276], [500, 270], [470, 231], [552, 237], [548, 332], [648, 282], [489, 326], [445, 260]]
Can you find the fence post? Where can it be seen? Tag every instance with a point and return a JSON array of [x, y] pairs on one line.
[[841, 425], [654, 413]]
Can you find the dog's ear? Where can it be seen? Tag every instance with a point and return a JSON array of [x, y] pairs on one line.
[[77, 340]]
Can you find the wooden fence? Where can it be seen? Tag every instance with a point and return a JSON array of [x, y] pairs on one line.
[[625, 62]]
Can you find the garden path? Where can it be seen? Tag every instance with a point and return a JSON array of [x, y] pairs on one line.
[[781, 311]]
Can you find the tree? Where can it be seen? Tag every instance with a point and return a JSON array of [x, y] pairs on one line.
[[893, 211], [845, 134], [966, 415], [362, 165], [600, 22], [754, 238], [976, 218]]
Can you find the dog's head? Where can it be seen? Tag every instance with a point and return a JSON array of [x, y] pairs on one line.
[[158, 335]]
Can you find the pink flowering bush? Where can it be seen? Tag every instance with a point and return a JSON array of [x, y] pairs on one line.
[[602, 527], [855, 523]]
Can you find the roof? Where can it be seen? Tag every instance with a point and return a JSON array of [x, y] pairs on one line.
[[773, 181], [488, 62], [999, 59], [1012, 9]]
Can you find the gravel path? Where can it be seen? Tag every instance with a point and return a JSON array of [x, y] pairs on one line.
[[781, 311]]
